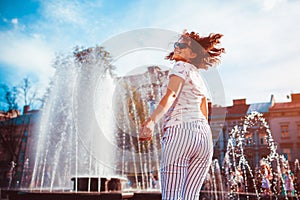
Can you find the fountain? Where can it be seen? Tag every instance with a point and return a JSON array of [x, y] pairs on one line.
[[213, 185], [243, 180], [69, 131], [138, 95], [88, 131]]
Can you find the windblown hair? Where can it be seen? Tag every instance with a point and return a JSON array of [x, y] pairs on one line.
[[208, 54]]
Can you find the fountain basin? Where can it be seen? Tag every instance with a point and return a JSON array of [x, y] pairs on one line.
[[98, 184], [56, 195], [136, 195]]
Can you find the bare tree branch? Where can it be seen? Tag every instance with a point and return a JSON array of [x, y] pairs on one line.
[[9, 97]]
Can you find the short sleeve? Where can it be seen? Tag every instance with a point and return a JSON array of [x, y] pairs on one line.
[[179, 70]]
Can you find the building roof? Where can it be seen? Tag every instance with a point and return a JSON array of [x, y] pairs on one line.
[[259, 107], [285, 105], [237, 110], [295, 103], [240, 108]]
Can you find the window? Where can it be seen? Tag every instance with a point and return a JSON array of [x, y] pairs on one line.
[[248, 140], [284, 130], [262, 138], [287, 153]]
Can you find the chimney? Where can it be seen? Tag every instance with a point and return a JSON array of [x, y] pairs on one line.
[[295, 98], [272, 101], [239, 102], [26, 109]]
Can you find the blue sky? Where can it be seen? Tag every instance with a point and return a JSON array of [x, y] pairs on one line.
[[260, 37]]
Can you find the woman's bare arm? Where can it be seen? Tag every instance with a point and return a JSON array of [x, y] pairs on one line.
[[204, 107], [174, 87], [173, 90]]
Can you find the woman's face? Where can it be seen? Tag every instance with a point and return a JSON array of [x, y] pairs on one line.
[[182, 51]]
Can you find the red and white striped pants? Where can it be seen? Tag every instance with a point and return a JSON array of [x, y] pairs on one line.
[[187, 151]]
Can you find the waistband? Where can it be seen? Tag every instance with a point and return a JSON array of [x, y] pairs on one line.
[[185, 123]]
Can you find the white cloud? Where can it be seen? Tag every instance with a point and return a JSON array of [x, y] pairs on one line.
[[270, 4], [73, 12], [28, 54], [14, 21], [63, 11]]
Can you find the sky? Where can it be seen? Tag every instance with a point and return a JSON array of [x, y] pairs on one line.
[[260, 37]]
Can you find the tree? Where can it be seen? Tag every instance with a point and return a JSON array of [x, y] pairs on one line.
[[9, 97], [27, 92]]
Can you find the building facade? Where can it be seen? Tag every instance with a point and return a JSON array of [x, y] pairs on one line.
[[17, 138], [285, 126], [255, 140]]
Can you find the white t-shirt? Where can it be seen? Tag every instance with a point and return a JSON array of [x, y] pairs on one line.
[[186, 107]]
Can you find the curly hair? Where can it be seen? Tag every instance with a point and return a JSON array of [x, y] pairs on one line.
[[208, 54]]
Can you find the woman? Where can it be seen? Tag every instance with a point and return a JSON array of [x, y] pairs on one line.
[[187, 146], [288, 178], [266, 177]]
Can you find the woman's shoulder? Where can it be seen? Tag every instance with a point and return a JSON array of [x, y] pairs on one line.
[[185, 65], [179, 64]]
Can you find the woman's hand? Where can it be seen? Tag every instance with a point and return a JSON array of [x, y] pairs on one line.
[[146, 130]]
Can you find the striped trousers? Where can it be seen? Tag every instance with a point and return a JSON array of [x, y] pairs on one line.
[[187, 151]]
